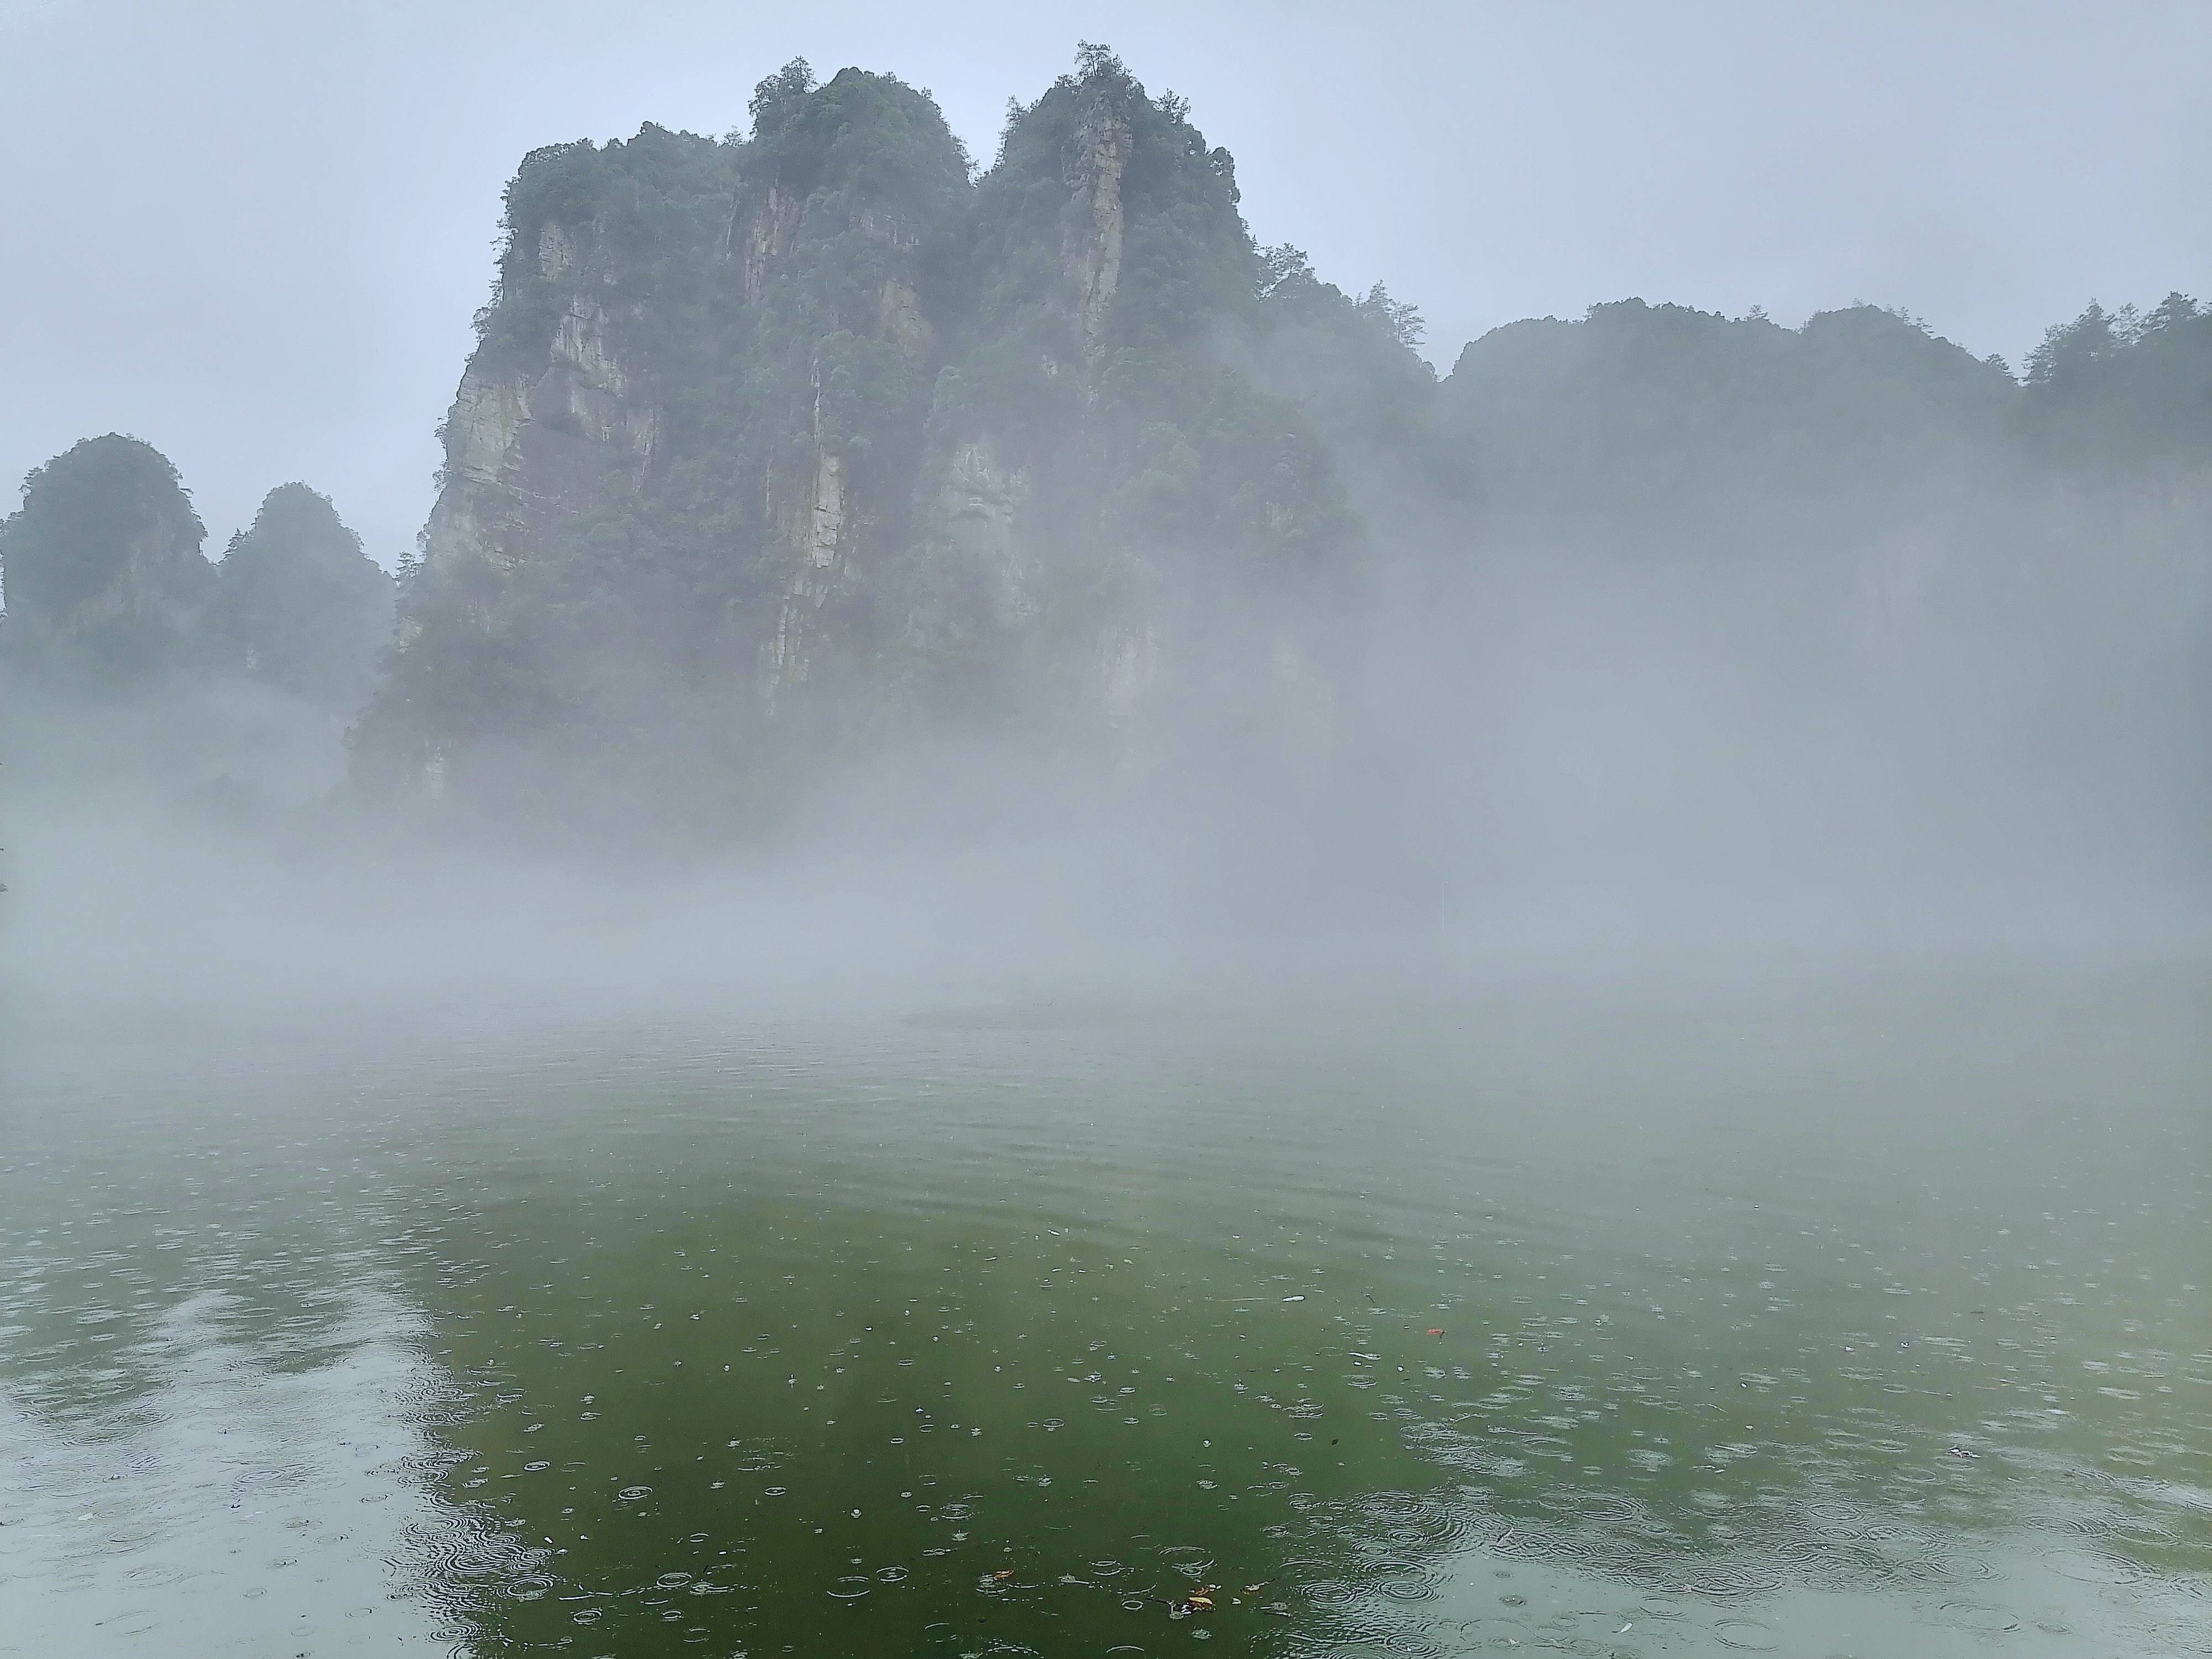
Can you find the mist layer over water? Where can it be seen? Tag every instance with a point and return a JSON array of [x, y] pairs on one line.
[[1864, 1315]]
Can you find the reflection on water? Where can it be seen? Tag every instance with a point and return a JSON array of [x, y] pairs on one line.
[[254, 1494], [1855, 1324]]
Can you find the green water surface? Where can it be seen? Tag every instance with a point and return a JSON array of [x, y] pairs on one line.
[[1859, 1319]]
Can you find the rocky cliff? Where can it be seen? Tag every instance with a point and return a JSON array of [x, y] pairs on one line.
[[784, 452], [779, 446]]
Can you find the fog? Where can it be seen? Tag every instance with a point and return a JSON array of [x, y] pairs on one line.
[[1671, 640], [1667, 778], [1580, 763], [1429, 828]]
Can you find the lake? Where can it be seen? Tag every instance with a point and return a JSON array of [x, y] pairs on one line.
[[1863, 1317]]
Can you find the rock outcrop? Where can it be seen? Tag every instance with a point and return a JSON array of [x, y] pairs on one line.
[[104, 577], [298, 606], [808, 437], [1102, 145]]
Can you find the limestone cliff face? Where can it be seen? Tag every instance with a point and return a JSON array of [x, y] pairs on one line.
[[812, 431], [615, 369], [976, 512], [769, 231], [1101, 478], [1094, 254], [535, 434], [819, 530]]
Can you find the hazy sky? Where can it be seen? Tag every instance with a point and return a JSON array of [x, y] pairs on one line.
[[253, 233]]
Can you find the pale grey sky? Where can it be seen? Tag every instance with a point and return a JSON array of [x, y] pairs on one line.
[[253, 233]]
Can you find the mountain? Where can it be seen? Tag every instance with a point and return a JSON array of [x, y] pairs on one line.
[[1663, 424], [777, 449], [811, 483], [137, 679], [106, 585], [107, 590], [298, 606]]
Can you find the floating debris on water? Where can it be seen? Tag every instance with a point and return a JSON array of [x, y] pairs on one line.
[[1200, 1600]]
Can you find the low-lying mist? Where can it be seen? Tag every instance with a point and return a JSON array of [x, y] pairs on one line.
[[1579, 764], [851, 569]]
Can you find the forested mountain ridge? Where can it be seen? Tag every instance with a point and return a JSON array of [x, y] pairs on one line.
[[1710, 428]]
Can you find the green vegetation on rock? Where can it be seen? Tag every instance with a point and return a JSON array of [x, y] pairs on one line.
[[105, 581], [299, 605]]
